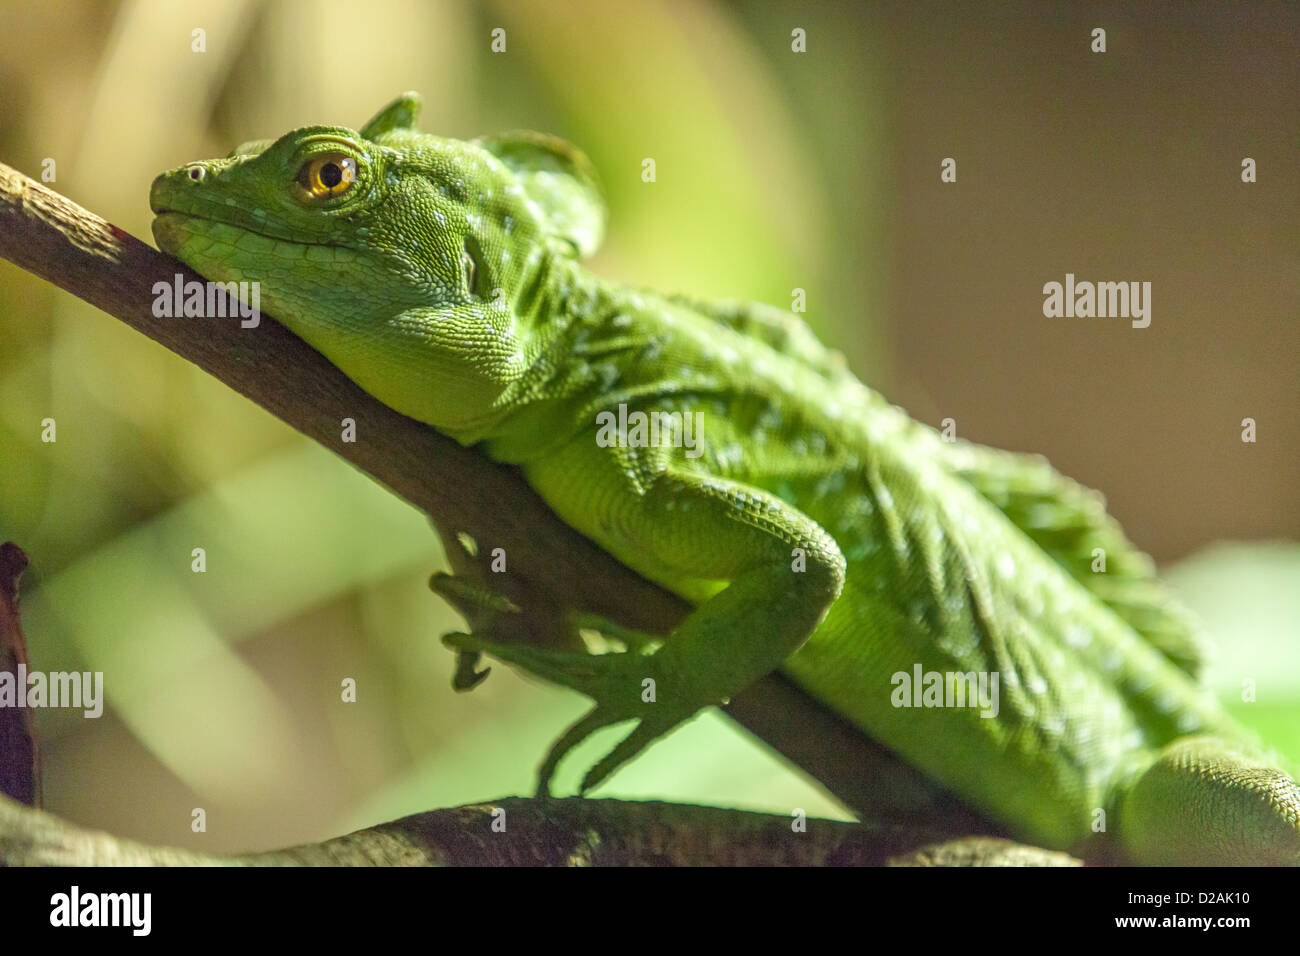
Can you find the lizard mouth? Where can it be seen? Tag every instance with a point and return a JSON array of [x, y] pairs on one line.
[[170, 219]]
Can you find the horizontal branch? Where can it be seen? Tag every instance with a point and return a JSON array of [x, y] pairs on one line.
[[516, 831]]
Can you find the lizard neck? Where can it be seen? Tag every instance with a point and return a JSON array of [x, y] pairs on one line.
[[556, 304], [581, 341]]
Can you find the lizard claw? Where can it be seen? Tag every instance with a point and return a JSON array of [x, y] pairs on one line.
[[467, 675]]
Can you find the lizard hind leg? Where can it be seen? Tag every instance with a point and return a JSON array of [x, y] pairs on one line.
[[1207, 802]]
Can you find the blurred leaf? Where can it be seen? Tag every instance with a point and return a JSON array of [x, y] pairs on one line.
[[1248, 595]]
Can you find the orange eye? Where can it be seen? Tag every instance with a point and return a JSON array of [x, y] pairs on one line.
[[327, 175]]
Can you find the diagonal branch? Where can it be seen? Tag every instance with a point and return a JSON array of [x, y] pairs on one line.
[[49, 235]]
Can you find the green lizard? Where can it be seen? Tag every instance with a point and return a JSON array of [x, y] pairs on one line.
[[813, 526]]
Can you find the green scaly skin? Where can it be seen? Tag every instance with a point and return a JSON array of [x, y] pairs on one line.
[[820, 530]]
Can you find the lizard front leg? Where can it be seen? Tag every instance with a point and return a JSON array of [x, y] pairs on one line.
[[764, 572], [509, 609]]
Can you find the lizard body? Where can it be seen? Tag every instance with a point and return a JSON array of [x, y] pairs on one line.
[[814, 526]]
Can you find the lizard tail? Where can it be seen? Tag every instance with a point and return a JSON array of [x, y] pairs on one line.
[[1205, 802]]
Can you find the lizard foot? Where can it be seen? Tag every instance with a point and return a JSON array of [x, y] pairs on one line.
[[505, 608], [515, 623], [624, 685]]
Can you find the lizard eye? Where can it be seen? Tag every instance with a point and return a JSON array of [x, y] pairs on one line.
[[327, 175]]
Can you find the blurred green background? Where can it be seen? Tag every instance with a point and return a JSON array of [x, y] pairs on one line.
[[776, 171]]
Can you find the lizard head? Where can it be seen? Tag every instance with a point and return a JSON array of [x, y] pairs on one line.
[[411, 261]]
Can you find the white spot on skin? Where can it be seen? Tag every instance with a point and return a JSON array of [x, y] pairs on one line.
[[1078, 636], [1034, 606], [1006, 566]]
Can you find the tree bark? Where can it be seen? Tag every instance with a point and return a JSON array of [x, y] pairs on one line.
[[515, 831]]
